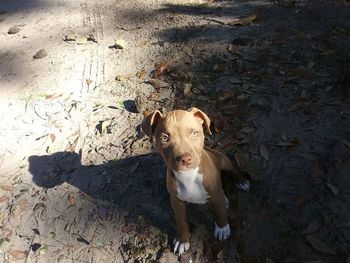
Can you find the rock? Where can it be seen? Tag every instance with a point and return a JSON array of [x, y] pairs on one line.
[[13, 30], [40, 54]]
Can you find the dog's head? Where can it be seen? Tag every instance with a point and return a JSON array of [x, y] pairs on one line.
[[178, 135]]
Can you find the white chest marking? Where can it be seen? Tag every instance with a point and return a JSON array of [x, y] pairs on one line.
[[190, 186]]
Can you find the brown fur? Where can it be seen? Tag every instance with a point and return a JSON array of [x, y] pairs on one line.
[[181, 127]]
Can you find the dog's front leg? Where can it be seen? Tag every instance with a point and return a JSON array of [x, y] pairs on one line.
[[222, 228], [182, 243]]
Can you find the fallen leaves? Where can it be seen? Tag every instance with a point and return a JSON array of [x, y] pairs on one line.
[[236, 22], [39, 210], [119, 43], [263, 152], [124, 77], [141, 74], [4, 199], [320, 246], [18, 254], [188, 89], [71, 200], [43, 249], [288, 143], [332, 188], [7, 188], [302, 73], [243, 21], [158, 84], [52, 137], [161, 68], [312, 227]]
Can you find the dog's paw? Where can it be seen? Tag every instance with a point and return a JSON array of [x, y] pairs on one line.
[[180, 247], [222, 233], [244, 186]]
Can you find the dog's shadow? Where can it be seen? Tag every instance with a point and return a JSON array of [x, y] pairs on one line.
[[136, 185]]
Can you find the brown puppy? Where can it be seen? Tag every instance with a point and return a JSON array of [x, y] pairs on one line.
[[193, 170]]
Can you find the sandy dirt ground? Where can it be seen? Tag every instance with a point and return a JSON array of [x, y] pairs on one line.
[[80, 183]]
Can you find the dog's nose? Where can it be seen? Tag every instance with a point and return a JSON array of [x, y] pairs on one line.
[[184, 159]]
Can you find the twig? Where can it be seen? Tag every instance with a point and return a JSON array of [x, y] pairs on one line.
[[129, 29], [217, 21]]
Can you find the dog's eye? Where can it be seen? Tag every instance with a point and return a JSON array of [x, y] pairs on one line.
[[195, 134], [164, 137]]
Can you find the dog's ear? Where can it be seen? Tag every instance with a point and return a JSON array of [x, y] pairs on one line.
[[150, 122], [202, 116]]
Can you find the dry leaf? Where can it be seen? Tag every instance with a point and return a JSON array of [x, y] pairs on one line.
[[346, 143], [7, 188], [4, 199], [39, 210], [105, 125], [227, 94], [119, 43], [218, 125], [141, 74], [18, 254], [284, 144], [156, 83], [247, 129], [220, 67], [243, 21], [53, 96], [333, 189], [320, 246], [123, 77], [52, 137], [188, 89], [307, 156], [301, 73], [71, 200], [263, 152], [81, 40], [70, 148], [34, 192], [316, 169], [312, 227], [43, 249], [88, 81], [161, 68]]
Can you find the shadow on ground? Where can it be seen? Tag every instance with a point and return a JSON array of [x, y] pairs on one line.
[[135, 185], [132, 188]]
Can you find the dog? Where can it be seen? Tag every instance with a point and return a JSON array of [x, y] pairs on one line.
[[193, 170]]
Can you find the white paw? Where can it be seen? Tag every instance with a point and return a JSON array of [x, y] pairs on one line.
[[222, 233], [180, 247], [245, 186]]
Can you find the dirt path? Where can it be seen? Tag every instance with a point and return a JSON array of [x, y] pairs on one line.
[[80, 184]]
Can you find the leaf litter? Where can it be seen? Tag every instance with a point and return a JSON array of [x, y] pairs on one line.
[[256, 89]]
